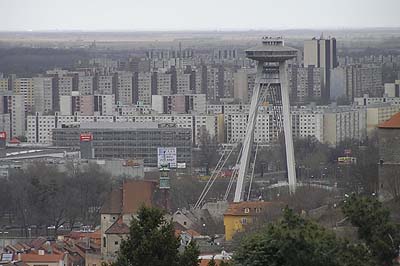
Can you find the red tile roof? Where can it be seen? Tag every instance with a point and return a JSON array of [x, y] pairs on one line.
[[81, 235], [118, 228], [31, 257], [393, 122], [129, 198], [38, 242], [137, 193], [191, 232], [113, 204]]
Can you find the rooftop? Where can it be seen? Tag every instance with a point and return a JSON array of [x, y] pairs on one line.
[[129, 198], [42, 258], [392, 123], [253, 207], [118, 228]]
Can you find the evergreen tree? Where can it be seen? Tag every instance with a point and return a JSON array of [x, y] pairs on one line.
[[212, 262], [374, 227], [152, 241], [190, 257], [225, 263], [295, 241]]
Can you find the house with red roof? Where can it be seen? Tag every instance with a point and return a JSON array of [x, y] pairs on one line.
[[43, 259], [117, 212]]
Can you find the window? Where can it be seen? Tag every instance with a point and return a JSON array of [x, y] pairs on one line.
[[104, 242], [246, 210], [244, 220], [116, 242]]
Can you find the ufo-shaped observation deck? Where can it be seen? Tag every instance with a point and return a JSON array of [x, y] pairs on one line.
[[271, 50]]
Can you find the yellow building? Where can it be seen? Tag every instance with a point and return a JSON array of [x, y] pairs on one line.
[[239, 215], [220, 128]]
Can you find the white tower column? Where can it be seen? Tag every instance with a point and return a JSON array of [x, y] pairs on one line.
[[249, 137], [287, 127]]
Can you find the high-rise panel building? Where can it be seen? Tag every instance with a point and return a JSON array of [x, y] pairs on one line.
[[305, 83], [24, 87], [4, 86], [163, 83], [124, 88], [183, 83], [179, 104], [65, 85], [42, 94], [214, 81], [85, 85], [321, 53], [104, 104], [14, 105], [354, 81], [105, 85], [142, 88], [86, 105], [392, 89], [228, 83]]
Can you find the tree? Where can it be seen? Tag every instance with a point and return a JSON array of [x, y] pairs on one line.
[[295, 241], [212, 262], [92, 186], [208, 155], [190, 257], [152, 241], [44, 196], [355, 255], [225, 263], [311, 155], [359, 177], [374, 227]]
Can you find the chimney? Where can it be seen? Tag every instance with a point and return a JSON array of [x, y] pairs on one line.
[[19, 256]]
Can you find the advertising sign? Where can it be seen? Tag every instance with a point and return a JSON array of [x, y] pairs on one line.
[[3, 135], [181, 165], [84, 137], [166, 155]]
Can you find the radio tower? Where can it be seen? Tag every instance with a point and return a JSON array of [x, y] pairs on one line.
[[271, 79]]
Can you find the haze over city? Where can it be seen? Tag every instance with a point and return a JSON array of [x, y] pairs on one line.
[[43, 15]]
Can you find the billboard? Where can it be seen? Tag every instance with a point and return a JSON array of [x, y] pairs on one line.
[[166, 155], [181, 165], [3, 135], [347, 160], [86, 137]]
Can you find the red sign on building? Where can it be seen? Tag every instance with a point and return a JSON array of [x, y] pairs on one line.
[[84, 137], [3, 135]]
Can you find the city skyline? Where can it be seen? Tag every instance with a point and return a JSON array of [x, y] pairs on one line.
[[44, 15]]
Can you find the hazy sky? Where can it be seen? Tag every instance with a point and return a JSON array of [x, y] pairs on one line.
[[197, 15]]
